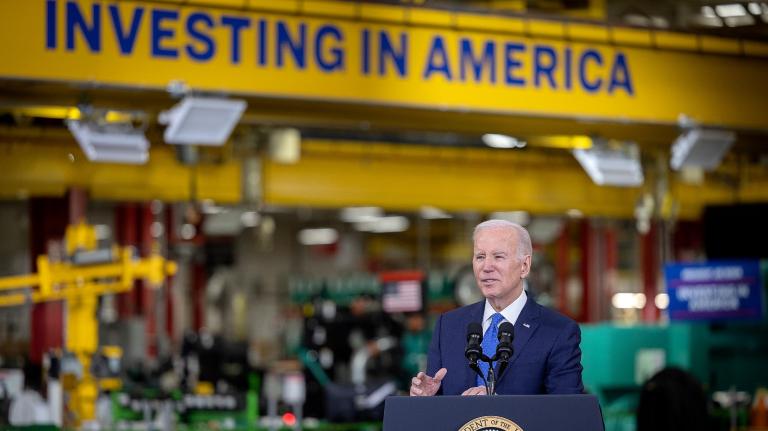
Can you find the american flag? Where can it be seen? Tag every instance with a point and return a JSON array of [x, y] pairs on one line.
[[401, 296]]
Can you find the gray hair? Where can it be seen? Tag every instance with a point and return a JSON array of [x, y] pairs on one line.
[[524, 247]]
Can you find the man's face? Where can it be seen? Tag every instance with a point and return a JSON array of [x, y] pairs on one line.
[[498, 270]]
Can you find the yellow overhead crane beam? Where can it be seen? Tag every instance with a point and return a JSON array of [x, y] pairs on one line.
[[80, 286], [41, 168], [338, 174], [334, 174]]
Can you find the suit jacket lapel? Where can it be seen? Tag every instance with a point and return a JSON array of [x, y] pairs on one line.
[[475, 315], [525, 326]]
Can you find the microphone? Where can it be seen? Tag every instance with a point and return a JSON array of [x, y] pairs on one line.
[[474, 350], [506, 335], [504, 349]]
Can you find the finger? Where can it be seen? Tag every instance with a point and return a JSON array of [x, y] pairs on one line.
[[469, 392], [477, 390], [421, 375], [440, 374], [416, 381], [416, 391]]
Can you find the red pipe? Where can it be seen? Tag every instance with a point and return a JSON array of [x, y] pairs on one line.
[[126, 234], [586, 285], [649, 267], [562, 268]]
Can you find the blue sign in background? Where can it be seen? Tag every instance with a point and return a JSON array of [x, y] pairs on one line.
[[717, 290]]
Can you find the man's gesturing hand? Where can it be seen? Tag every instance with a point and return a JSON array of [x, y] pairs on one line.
[[423, 385], [477, 390]]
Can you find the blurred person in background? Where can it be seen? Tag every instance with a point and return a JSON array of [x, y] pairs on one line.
[[547, 357], [673, 400]]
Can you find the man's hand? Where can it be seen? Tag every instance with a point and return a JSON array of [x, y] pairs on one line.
[[477, 390], [423, 386]]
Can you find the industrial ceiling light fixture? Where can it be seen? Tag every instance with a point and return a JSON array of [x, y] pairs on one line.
[[701, 148], [107, 141], [285, 145], [360, 214], [520, 217], [386, 224], [625, 300], [611, 163], [730, 10], [198, 120], [429, 212], [495, 140], [318, 236]]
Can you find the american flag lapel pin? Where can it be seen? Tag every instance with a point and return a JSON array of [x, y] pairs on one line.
[[526, 325]]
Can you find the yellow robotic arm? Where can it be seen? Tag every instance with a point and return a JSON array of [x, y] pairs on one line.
[[79, 282]]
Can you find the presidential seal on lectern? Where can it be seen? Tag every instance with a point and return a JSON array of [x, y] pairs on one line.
[[490, 423]]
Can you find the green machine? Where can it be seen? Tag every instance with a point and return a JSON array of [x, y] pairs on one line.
[[618, 359], [722, 355]]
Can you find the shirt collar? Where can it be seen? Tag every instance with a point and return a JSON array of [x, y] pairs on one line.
[[511, 313]]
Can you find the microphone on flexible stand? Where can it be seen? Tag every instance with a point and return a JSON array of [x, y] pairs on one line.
[[474, 350], [504, 349]]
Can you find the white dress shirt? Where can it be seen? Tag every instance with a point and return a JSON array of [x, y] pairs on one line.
[[511, 313]]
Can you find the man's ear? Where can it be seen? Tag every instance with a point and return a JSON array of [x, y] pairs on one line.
[[525, 266]]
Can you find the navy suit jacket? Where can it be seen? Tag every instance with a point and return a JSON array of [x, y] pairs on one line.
[[546, 357]]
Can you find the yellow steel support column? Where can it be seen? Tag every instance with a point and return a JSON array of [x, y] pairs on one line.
[[82, 337]]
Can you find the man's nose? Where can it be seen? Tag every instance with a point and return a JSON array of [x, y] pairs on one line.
[[487, 266]]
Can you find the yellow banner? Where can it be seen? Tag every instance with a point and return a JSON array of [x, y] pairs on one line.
[[150, 45]]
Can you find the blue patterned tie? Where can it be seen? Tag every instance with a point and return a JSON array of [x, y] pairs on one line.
[[490, 341]]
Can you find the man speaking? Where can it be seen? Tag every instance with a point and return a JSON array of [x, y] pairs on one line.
[[545, 359]]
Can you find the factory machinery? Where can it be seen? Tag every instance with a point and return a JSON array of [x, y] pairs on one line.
[[79, 280]]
